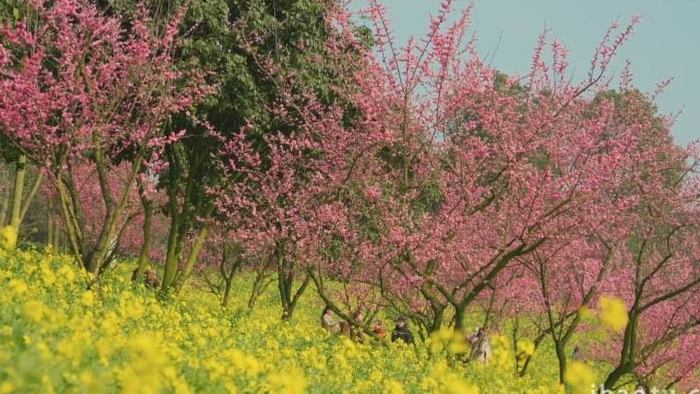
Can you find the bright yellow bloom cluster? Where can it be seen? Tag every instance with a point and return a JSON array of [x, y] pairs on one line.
[[526, 347], [580, 377], [8, 238], [452, 341], [613, 313]]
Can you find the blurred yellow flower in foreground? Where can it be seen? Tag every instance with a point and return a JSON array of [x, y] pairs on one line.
[[8, 238], [292, 382], [580, 377], [613, 313]]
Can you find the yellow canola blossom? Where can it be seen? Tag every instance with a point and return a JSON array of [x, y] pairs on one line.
[[613, 313], [8, 238], [394, 387], [56, 335], [526, 347], [580, 377], [88, 298], [454, 342], [291, 382], [455, 385]]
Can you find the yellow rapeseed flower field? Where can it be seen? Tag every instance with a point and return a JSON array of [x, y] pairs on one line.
[[57, 335]]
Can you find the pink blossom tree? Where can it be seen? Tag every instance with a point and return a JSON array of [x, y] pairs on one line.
[[79, 93], [283, 183], [481, 169], [577, 266], [658, 275]]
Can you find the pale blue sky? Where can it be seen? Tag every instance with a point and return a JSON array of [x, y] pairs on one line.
[[666, 43]]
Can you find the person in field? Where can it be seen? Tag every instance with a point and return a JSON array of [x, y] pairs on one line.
[[576, 354], [152, 279], [328, 321], [358, 319], [378, 330], [481, 348], [401, 331]]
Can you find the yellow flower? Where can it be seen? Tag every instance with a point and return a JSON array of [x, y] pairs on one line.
[[428, 384], [110, 324], [526, 347], [72, 349], [88, 298], [455, 385], [8, 238], [6, 387], [89, 382], [48, 276], [105, 349], [452, 341], [18, 287], [135, 310], [376, 375], [45, 351], [502, 352], [216, 369], [580, 377], [6, 331], [66, 274], [457, 347], [292, 382], [144, 374], [613, 313], [249, 365], [34, 310], [393, 387], [179, 384]]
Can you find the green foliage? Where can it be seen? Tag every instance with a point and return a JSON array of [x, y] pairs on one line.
[[429, 200]]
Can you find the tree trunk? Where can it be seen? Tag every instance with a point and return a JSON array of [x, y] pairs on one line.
[[5, 205], [227, 292], [110, 232], [615, 376], [561, 357], [172, 256], [459, 317], [70, 219], [438, 317], [50, 225], [96, 257], [228, 269], [626, 363], [192, 257], [18, 192], [16, 202], [260, 283], [285, 282], [284, 285], [528, 359], [176, 240], [147, 238], [32, 193], [227, 276]]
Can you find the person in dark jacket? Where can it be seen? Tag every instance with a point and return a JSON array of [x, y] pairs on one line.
[[401, 331]]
